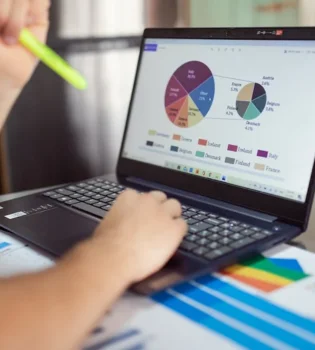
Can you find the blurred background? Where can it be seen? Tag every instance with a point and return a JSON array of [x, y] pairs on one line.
[[56, 134]]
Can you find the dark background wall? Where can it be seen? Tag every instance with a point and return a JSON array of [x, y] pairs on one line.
[[55, 134]]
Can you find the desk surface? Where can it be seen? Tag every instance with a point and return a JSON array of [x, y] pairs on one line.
[[218, 310], [7, 197], [224, 312]]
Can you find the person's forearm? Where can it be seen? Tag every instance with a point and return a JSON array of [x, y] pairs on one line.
[[7, 99], [57, 309]]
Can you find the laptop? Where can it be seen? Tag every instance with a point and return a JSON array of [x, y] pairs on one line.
[[221, 119]]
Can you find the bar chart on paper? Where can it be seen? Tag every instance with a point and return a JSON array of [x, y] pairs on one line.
[[130, 339], [266, 275], [4, 246], [16, 257], [220, 310], [189, 94], [8, 244], [242, 318]]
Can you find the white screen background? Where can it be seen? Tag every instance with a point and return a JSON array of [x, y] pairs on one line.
[[288, 131]]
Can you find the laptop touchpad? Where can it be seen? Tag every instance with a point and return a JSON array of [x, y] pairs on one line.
[[42, 223]]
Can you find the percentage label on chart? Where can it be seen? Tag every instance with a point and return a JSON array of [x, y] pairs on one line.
[[230, 113], [265, 83], [202, 98], [249, 128], [269, 109], [234, 89]]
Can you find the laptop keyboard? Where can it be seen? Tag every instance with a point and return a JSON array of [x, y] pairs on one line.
[[209, 236]]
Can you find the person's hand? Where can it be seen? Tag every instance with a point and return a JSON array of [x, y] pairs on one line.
[[142, 232], [16, 63]]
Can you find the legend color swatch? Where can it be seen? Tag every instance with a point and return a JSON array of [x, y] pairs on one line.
[[229, 160], [263, 154], [260, 167], [232, 148], [200, 154], [202, 142]]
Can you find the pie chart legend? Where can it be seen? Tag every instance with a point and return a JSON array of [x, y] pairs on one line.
[[189, 94]]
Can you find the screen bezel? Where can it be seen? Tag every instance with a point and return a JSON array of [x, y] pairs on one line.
[[286, 210]]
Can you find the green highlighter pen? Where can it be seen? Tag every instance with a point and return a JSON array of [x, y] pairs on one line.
[[52, 59]]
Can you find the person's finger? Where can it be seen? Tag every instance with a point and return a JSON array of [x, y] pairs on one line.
[[173, 207], [39, 11], [159, 196], [39, 18], [128, 196], [181, 226], [29, 20], [17, 20], [40, 5], [5, 7]]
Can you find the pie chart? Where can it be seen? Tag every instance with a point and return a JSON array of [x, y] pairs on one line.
[[189, 94], [251, 101]]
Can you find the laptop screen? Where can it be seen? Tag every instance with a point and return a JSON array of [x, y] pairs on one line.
[[234, 111]]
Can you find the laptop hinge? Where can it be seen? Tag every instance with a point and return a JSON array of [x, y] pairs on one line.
[[202, 199]]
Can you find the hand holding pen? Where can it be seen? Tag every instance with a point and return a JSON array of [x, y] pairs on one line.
[[23, 31]]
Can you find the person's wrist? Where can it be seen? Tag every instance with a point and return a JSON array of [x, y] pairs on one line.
[[8, 97], [100, 266], [113, 257]]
